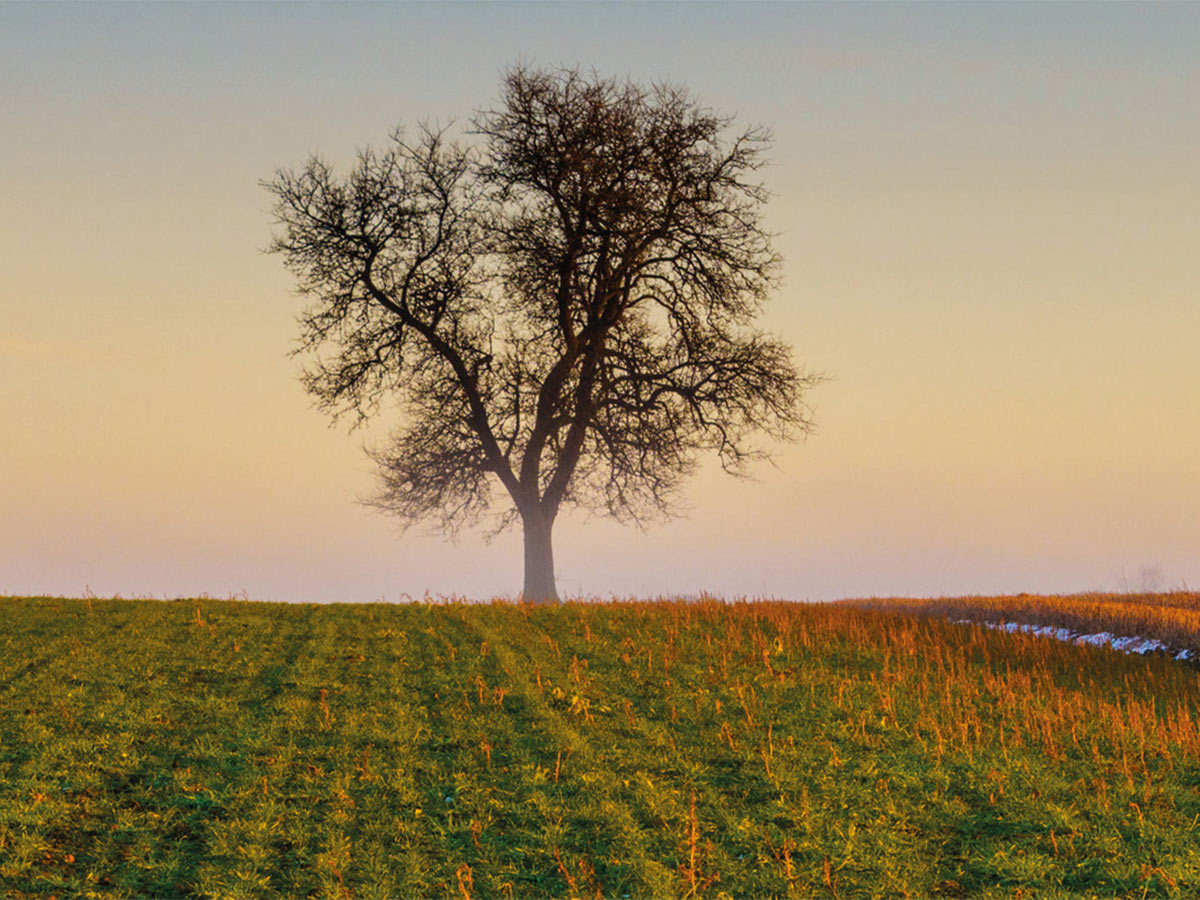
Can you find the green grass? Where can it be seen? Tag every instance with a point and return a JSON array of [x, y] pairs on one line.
[[233, 749]]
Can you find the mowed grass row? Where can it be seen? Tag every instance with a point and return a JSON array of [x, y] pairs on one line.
[[215, 748]]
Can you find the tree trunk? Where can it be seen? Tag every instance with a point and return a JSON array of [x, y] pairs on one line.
[[539, 560]]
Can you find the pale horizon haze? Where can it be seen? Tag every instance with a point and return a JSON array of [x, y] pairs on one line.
[[989, 216]]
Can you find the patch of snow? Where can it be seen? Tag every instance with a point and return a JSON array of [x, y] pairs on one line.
[[1141, 646], [1125, 644]]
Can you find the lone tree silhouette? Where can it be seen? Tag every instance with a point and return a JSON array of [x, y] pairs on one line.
[[562, 306]]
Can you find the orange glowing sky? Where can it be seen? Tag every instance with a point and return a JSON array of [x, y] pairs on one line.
[[990, 220]]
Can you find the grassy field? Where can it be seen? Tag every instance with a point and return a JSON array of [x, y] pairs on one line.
[[234, 749]]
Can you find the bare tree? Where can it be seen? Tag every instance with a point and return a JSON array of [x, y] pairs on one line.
[[562, 306]]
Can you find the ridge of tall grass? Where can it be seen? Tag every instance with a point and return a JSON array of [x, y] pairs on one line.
[[1172, 618]]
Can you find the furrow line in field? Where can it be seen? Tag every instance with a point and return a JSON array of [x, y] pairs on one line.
[[579, 763]]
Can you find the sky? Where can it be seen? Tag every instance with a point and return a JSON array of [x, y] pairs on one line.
[[988, 214]]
